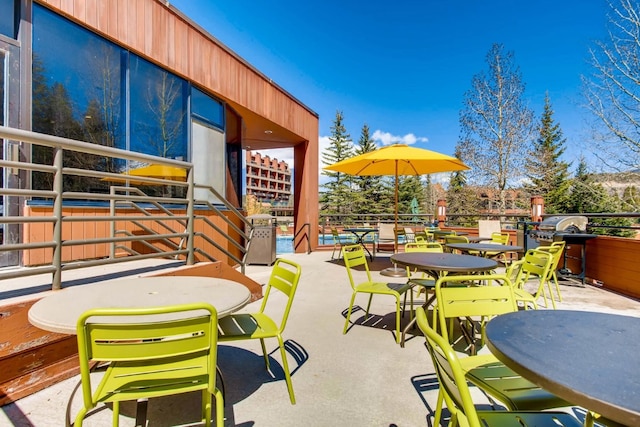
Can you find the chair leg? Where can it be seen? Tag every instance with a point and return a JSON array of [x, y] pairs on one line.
[[219, 408], [116, 413], [398, 319], [80, 417], [223, 388], [285, 367], [206, 408], [346, 321], [366, 314], [438, 412], [264, 353], [555, 281]]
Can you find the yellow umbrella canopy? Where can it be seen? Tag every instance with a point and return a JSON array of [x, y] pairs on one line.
[[396, 160], [160, 171], [172, 173]]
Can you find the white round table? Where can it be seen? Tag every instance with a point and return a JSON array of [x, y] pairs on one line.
[[60, 311]]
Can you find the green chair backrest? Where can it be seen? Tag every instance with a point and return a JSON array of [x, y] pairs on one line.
[[354, 256], [138, 334], [422, 247], [285, 276], [456, 299], [556, 249], [456, 239], [450, 374], [501, 238], [536, 264]]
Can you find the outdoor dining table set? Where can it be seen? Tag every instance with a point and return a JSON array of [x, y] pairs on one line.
[[158, 336], [588, 359]]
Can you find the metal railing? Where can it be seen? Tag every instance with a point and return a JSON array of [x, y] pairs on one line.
[[134, 217]]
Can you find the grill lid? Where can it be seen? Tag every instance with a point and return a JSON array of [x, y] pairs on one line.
[[571, 224]]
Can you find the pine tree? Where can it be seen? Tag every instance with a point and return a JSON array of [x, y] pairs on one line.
[[587, 196], [409, 187], [368, 191], [337, 197], [548, 174]]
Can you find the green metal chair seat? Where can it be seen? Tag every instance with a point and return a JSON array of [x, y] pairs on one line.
[[247, 326], [285, 276], [454, 388], [353, 258], [515, 392], [383, 288]]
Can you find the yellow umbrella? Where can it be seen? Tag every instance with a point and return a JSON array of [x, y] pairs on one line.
[[172, 173], [398, 159], [160, 171]]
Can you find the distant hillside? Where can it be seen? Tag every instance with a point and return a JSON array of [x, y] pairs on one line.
[[618, 182]]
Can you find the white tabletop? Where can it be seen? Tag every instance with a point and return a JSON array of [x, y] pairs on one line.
[[589, 359], [59, 311]]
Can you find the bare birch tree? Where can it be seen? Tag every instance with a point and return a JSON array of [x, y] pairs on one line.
[[612, 91], [496, 125]]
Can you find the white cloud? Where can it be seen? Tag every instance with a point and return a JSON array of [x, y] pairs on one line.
[[387, 139], [282, 154], [323, 144]]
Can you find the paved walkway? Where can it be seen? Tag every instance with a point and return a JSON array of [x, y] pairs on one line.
[[362, 378]]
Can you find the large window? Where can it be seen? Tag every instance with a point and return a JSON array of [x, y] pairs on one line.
[[206, 109], [77, 93], [81, 86], [158, 111], [8, 17]]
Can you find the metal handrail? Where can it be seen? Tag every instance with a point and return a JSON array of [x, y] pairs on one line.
[[306, 228], [123, 200]]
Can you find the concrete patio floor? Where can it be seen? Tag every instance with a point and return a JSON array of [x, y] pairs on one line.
[[362, 378]]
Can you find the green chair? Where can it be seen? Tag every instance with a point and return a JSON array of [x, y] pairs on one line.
[[556, 249], [354, 257], [151, 353], [454, 239], [500, 239], [340, 242], [477, 305], [423, 283], [285, 276], [454, 388], [534, 264]]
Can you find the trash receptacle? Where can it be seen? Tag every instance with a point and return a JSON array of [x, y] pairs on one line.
[[262, 249], [523, 238]]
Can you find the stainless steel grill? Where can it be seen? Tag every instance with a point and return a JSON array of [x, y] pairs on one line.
[[573, 230], [558, 228]]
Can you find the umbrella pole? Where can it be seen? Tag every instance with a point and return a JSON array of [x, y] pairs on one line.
[[395, 227], [395, 271]]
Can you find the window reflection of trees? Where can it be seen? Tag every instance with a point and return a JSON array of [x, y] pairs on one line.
[[75, 96], [158, 111], [79, 92]]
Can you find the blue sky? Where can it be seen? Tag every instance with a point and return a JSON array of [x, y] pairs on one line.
[[403, 67]]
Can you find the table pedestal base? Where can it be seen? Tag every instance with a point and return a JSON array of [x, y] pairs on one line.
[[394, 272]]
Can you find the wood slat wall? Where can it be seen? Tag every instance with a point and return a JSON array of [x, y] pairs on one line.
[[161, 34], [614, 262], [42, 232]]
